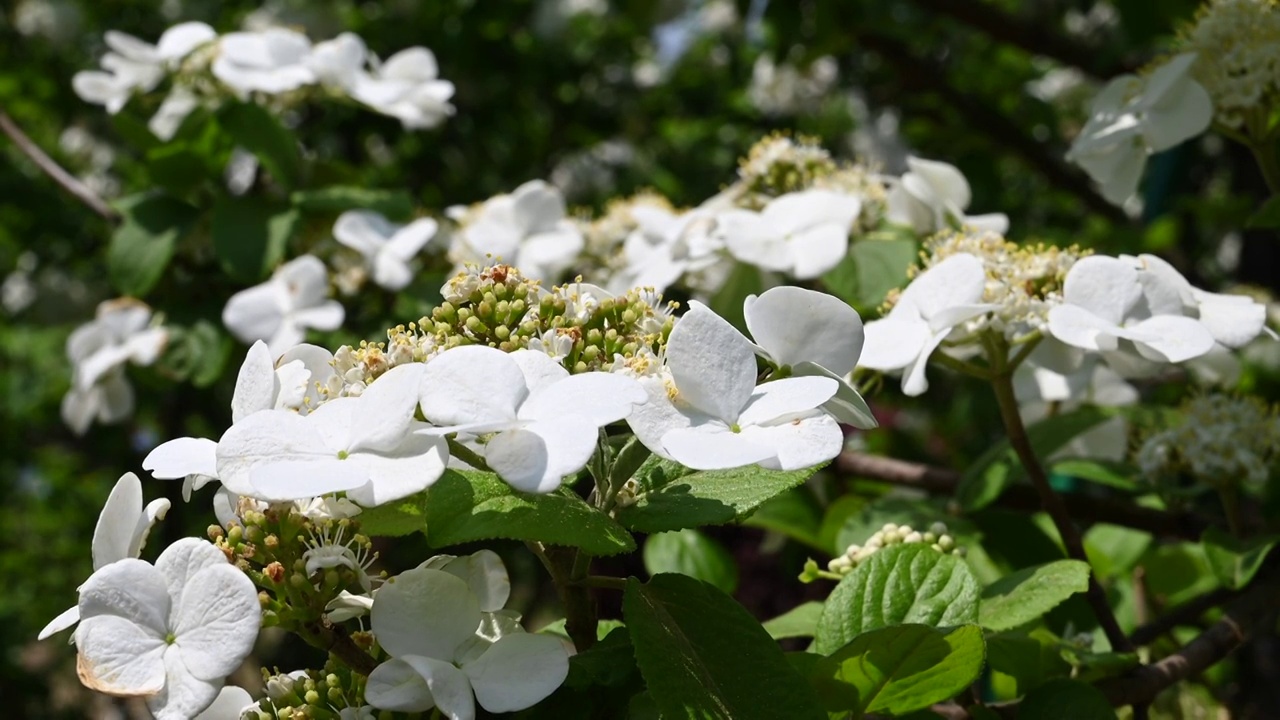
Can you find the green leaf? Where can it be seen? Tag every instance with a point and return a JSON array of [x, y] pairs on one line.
[[250, 235], [465, 506], [397, 518], [673, 497], [1113, 550], [880, 266], [1030, 593], [1030, 658], [800, 621], [1118, 475], [691, 553], [704, 656], [395, 204], [1064, 699], [198, 353], [999, 467], [897, 670], [143, 244], [1235, 561], [794, 514], [608, 663], [257, 130], [898, 584], [1267, 216]]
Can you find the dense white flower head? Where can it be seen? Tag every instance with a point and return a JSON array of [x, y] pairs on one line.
[[1221, 441], [1235, 42], [449, 650], [171, 632], [407, 87], [706, 412], [122, 332], [121, 532], [387, 248], [1134, 117], [281, 310], [933, 196], [527, 229], [538, 422], [928, 311]]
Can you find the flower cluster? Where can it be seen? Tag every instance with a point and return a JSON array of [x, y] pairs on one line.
[[935, 537], [1235, 42], [204, 68], [123, 332], [1221, 442]]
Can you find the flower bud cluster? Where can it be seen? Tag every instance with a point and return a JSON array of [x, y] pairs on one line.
[[935, 537], [779, 164], [310, 694], [1023, 281], [1222, 442], [1237, 62]]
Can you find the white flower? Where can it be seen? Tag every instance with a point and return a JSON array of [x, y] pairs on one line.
[[1106, 301], [134, 64], [812, 333], [429, 622], [170, 633], [545, 421], [526, 229], [1063, 377], [484, 574], [369, 446], [293, 383], [121, 532], [338, 62], [711, 415], [803, 234], [931, 307], [281, 309], [664, 246], [1233, 320], [386, 247], [169, 116], [273, 61], [1134, 117], [932, 195], [230, 704], [98, 350], [407, 87]]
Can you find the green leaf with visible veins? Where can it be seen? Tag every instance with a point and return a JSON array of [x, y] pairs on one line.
[[898, 584], [703, 655], [1031, 592], [799, 621], [465, 505], [901, 669], [673, 497]]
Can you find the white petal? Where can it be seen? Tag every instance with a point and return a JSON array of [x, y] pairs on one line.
[[383, 412], [228, 705], [255, 313], [958, 280], [113, 534], [411, 467], [943, 178], [794, 325], [540, 370], [538, 456], [537, 207], [390, 272], [914, 381], [753, 240], [796, 212], [1080, 328], [894, 342], [184, 695], [181, 457], [282, 445], [800, 442], [992, 222], [1175, 338], [118, 657], [485, 575], [713, 365], [152, 513], [713, 446], [327, 315], [256, 383], [364, 231], [181, 561], [424, 612], [1233, 324], [472, 384], [178, 41], [415, 63], [817, 250], [65, 619], [409, 240], [846, 406], [305, 279], [655, 418], [217, 625], [518, 671], [601, 397], [449, 688], [786, 397], [398, 686]]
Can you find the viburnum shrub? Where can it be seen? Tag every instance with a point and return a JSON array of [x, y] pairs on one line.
[[596, 386]]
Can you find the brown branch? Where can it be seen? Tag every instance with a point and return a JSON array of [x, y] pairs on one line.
[[1184, 614], [55, 171], [942, 481]]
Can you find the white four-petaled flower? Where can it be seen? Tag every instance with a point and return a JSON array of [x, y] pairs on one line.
[[527, 229], [280, 310], [121, 332], [933, 195], [407, 87], [803, 234], [385, 246]]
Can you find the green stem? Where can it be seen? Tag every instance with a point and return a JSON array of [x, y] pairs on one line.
[[1002, 383], [1028, 346], [604, 581], [1265, 155], [466, 455], [960, 366], [1230, 497]]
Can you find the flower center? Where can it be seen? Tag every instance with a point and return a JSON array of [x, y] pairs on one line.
[[343, 455], [735, 427]]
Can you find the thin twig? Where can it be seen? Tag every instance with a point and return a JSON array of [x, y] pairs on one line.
[[69, 182], [1184, 614]]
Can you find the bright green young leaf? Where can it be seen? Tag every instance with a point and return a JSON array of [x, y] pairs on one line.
[[250, 235], [1028, 658], [800, 621], [691, 553], [1235, 561], [465, 506], [1064, 699], [1114, 549], [673, 497], [397, 518], [999, 467], [1118, 475], [257, 130], [901, 669], [881, 266], [704, 656], [1178, 572], [395, 204], [143, 244], [898, 584], [1030, 593]]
